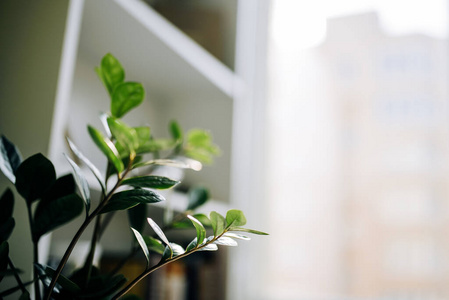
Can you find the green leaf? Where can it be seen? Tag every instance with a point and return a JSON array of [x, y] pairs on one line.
[[199, 146], [176, 131], [247, 230], [137, 216], [210, 247], [154, 244], [102, 286], [158, 231], [107, 147], [168, 253], [154, 182], [237, 236], [192, 245], [63, 281], [7, 205], [127, 199], [197, 197], [194, 165], [34, 176], [88, 163], [10, 158], [186, 223], [110, 72], [226, 241], [52, 214], [218, 223], [6, 229], [125, 135], [81, 182], [200, 230], [4, 255], [143, 245], [172, 250], [235, 217], [125, 97]]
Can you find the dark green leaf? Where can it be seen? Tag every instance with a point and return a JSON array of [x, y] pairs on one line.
[[197, 197], [10, 158], [125, 136], [63, 186], [218, 223], [154, 182], [88, 163], [143, 245], [81, 182], [107, 147], [52, 214], [226, 241], [131, 297], [125, 97], [127, 199], [4, 255], [34, 176], [7, 205], [137, 216], [102, 286], [168, 253], [154, 244], [200, 230], [110, 72], [25, 296], [6, 229], [235, 217], [247, 230], [63, 281], [192, 245]]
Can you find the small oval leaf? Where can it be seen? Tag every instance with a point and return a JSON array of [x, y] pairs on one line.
[[107, 147], [200, 230], [143, 245], [127, 199], [125, 97], [158, 231], [197, 197], [226, 241], [235, 217], [218, 223], [154, 182], [81, 182]]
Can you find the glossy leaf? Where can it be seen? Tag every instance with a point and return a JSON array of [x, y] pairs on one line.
[[63, 186], [154, 182], [143, 245], [110, 72], [226, 241], [237, 236], [7, 205], [158, 231], [4, 255], [172, 250], [63, 281], [127, 199], [10, 158], [194, 165], [88, 163], [52, 214], [154, 244], [197, 197], [107, 147], [34, 176], [168, 253], [247, 230], [200, 230], [125, 135], [218, 223], [209, 247], [186, 223], [192, 245], [235, 217], [104, 121], [137, 216], [81, 182], [125, 97]]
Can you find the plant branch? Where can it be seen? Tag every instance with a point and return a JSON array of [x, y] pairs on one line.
[[37, 289], [19, 281]]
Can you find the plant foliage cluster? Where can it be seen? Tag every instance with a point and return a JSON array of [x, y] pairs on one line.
[[52, 202]]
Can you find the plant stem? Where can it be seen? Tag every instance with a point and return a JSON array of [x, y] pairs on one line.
[[78, 234], [37, 289], [93, 246], [19, 281], [158, 266]]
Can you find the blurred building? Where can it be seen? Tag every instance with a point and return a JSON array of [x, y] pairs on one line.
[[391, 100]]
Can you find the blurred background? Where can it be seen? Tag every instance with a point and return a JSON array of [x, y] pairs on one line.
[[332, 117]]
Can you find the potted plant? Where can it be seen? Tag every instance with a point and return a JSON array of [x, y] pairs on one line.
[[52, 202]]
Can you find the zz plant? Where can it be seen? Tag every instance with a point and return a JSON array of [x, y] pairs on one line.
[[52, 202]]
